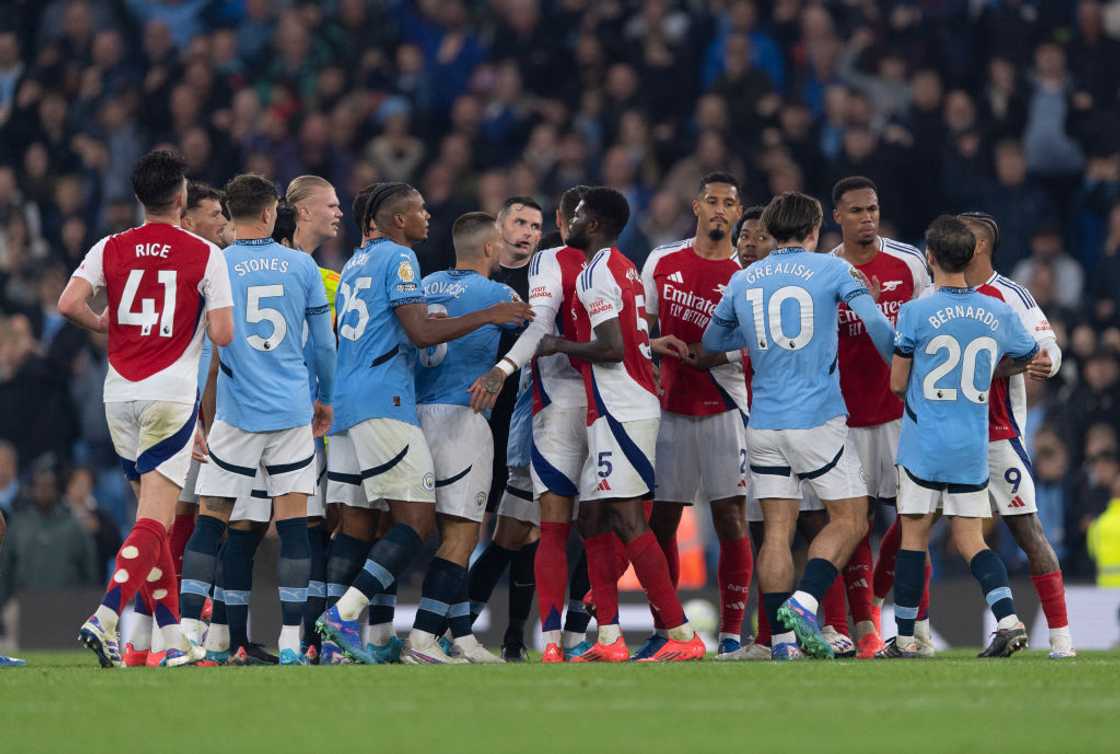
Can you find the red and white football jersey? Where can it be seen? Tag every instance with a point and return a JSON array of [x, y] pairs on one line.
[[865, 379], [682, 290], [160, 280], [610, 288], [552, 294], [1007, 401]]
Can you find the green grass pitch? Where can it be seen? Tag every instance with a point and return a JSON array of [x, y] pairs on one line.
[[63, 703]]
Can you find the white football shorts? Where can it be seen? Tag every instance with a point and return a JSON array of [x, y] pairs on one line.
[[559, 450], [462, 448], [781, 459], [394, 461], [1011, 483], [344, 476], [620, 461], [153, 436], [236, 456], [877, 448], [701, 458], [920, 497]]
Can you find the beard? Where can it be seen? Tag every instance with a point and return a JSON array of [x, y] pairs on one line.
[[717, 234]]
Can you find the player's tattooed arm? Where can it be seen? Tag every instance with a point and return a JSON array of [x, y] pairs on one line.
[[484, 391], [424, 332], [900, 373], [606, 348]]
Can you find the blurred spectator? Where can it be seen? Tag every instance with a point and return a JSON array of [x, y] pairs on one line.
[[1052, 486], [46, 547], [1104, 541], [79, 498], [9, 476], [1019, 204], [1048, 250]]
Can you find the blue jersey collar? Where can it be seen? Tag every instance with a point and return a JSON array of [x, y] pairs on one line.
[[254, 241], [462, 273], [788, 250], [956, 289]]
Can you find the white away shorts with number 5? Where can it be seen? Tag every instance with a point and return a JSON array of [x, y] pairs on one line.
[[877, 448], [701, 458], [921, 497], [462, 448], [153, 436], [620, 461], [1011, 486], [559, 450], [781, 459], [236, 455], [393, 462]]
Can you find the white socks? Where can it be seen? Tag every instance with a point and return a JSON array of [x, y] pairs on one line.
[[351, 604], [609, 633], [1008, 622], [807, 600]]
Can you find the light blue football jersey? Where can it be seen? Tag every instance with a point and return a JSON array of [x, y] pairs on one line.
[[520, 441], [956, 337], [783, 309], [376, 360], [262, 378], [448, 369]]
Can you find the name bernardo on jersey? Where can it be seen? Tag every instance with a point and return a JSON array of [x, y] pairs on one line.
[[980, 314]]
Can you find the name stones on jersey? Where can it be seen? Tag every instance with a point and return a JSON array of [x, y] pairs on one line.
[[261, 264]]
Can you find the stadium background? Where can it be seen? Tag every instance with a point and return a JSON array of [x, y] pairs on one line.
[[1007, 106]]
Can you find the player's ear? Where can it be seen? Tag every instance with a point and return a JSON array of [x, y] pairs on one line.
[[696, 207]]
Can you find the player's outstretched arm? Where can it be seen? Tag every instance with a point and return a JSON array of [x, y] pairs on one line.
[[722, 335], [74, 305], [323, 352], [424, 332], [878, 326], [219, 325], [606, 348], [900, 373]]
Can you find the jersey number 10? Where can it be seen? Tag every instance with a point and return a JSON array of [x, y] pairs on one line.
[[777, 331]]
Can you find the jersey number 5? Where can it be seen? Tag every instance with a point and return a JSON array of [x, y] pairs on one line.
[[255, 313], [147, 317], [968, 370], [777, 331]]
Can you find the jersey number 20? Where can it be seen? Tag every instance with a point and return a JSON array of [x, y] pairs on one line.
[[968, 370]]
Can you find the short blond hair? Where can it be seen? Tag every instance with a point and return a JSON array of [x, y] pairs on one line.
[[301, 187]]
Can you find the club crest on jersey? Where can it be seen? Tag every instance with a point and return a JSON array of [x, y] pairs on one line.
[[632, 274], [889, 285], [429, 481], [404, 271]]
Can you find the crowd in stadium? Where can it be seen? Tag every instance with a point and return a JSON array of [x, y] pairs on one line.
[[476, 102]]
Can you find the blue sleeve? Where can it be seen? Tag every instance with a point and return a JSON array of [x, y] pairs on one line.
[[321, 339], [906, 339], [204, 363], [723, 332], [878, 326], [402, 279], [1018, 343], [503, 295], [849, 284]]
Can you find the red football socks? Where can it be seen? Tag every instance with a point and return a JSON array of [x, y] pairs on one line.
[[181, 530], [1052, 594], [673, 561], [923, 603], [550, 569], [138, 555], [763, 635], [736, 562], [653, 574], [857, 578], [883, 579], [835, 611], [601, 570]]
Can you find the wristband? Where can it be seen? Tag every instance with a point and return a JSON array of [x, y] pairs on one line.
[[506, 366]]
